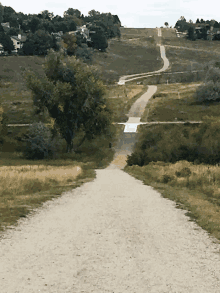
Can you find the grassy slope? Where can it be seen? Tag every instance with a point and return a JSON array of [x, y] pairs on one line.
[[168, 105]]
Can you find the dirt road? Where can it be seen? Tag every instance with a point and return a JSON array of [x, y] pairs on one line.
[[113, 234], [110, 235]]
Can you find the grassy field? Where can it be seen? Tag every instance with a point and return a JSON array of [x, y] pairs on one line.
[[175, 102], [194, 188], [26, 184]]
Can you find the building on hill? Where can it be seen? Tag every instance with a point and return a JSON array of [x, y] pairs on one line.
[[18, 42], [57, 35], [84, 30], [6, 24], [1, 49]]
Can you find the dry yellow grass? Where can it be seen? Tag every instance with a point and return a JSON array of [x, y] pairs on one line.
[[18, 179], [199, 193]]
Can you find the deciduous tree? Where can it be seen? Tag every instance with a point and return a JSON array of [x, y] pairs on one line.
[[73, 95]]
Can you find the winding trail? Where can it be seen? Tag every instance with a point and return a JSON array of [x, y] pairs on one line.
[[127, 78], [113, 234]]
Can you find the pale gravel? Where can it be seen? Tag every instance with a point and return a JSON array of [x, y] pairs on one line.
[[113, 234]]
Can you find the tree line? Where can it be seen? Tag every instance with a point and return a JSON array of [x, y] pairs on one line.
[[193, 33], [39, 29]]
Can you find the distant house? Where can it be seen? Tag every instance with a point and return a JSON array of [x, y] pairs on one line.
[[57, 35], [18, 41], [6, 24], [83, 31], [1, 49]]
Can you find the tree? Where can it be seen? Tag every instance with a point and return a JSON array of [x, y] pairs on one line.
[[7, 43], [84, 53], [182, 18], [13, 20], [8, 11], [39, 143], [47, 15], [74, 12], [13, 31], [33, 24], [69, 43], [216, 25], [204, 33], [99, 41], [197, 21], [93, 12], [191, 35], [73, 95], [1, 13], [38, 43], [166, 24]]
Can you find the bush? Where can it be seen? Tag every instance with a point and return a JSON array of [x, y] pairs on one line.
[[208, 93], [167, 178], [213, 74], [185, 172], [39, 143], [176, 143], [84, 53]]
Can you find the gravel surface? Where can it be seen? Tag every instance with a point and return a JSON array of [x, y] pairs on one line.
[[113, 234]]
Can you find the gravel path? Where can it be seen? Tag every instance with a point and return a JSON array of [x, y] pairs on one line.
[[113, 234], [110, 235]]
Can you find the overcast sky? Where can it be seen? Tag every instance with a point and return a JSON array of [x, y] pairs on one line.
[[137, 14]]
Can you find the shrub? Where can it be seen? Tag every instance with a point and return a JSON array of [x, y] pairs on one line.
[[39, 142], [176, 143], [185, 172], [207, 93], [84, 53], [167, 178], [213, 74]]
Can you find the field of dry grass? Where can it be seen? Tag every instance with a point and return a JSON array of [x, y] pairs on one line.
[[195, 188]]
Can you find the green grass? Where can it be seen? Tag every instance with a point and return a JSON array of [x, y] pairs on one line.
[[167, 105]]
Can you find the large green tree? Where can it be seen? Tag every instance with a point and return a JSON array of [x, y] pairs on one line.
[[74, 12], [1, 12], [38, 43], [73, 95], [7, 43]]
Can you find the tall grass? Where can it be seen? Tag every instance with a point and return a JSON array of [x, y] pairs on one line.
[[195, 188], [24, 179]]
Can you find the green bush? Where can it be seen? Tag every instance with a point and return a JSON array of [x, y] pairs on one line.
[[185, 172], [207, 93], [39, 144], [167, 178], [84, 53], [171, 143]]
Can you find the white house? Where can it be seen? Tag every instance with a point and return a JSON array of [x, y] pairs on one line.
[[18, 42], [1, 49], [6, 24], [83, 30]]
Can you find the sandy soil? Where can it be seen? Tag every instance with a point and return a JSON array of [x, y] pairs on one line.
[[110, 235]]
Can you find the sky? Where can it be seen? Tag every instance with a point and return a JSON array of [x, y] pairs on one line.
[[136, 14]]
